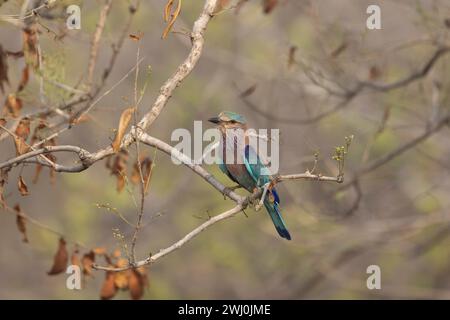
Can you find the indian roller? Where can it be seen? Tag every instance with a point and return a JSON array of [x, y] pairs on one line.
[[245, 167]]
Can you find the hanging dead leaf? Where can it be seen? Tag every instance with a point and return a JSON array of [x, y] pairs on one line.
[[249, 91], [116, 253], [60, 259], [30, 47], [3, 69], [146, 167], [167, 10], [37, 173], [124, 121], [109, 289], [136, 284], [75, 258], [291, 57], [24, 80], [135, 37], [119, 168], [169, 17], [87, 261], [22, 132], [21, 223], [121, 278], [341, 48], [23, 128], [374, 73], [447, 22], [12, 106], [100, 251], [269, 5], [22, 186], [3, 181]]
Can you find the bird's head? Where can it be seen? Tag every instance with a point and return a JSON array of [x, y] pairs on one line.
[[229, 120]]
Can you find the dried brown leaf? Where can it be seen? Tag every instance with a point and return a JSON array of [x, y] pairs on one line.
[[124, 121], [291, 57], [374, 73], [109, 289], [21, 223], [60, 259], [249, 91], [100, 251], [75, 258], [269, 5], [87, 261], [167, 10], [170, 17], [121, 278], [135, 37], [336, 52], [137, 281], [3, 69], [22, 186], [30, 47], [13, 105], [25, 77]]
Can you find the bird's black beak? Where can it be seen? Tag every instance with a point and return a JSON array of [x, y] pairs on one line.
[[215, 120]]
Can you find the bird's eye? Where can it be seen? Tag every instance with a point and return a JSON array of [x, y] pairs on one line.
[[233, 121]]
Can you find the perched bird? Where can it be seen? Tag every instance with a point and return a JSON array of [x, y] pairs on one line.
[[244, 166]]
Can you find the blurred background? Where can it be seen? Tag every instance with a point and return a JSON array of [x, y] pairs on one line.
[[304, 67]]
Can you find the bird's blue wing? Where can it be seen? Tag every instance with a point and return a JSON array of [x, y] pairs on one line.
[[261, 175], [258, 170], [224, 169]]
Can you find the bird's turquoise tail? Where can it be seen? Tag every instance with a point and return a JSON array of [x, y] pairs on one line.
[[275, 214]]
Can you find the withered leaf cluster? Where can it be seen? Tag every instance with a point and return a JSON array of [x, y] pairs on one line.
[[170, 16]]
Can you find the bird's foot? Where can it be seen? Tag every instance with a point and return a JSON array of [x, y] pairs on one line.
[[260, 203]]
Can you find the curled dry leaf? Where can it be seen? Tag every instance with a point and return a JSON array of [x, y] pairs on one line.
[[146, 168], [124, 121], [269, 5], [291, 57], [100, 251], [30, 47], [12, 106], [374, 73], [109, 289], [2, 123], [22, 132], [3, 181], [167, 10], [20, 221], [3, 69], [116, 253], [87, 261], [249, 91], [337, 52], [60, 259], [22, 186], [24, 80], [37, 173], [75, 258], [135, 37], [119, 168], [169, 17], [121, 278], [137, 282]]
